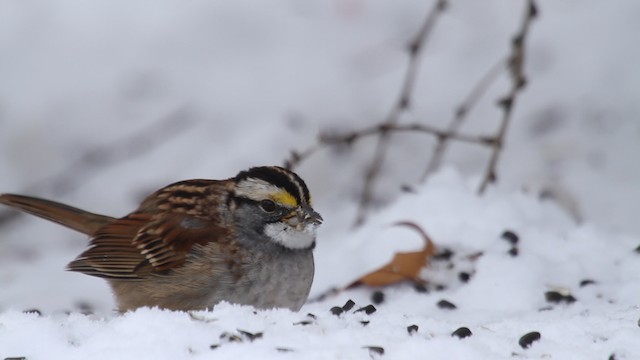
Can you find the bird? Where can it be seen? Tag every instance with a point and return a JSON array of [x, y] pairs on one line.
[[246, 240]]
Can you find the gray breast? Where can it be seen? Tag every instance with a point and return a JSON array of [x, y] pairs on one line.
[[281, 279]]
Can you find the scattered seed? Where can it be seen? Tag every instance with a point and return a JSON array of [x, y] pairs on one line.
[[464, 276], [85, 308], [377, 297], [364, 323], [444, 254], [284, 349], [612, 356], [407, 188], [336, 310], [420, 288], [510, 236], [462, 332], [529, 338], [369, 309], [16, 358], [444, 304], [441, 287], [557, 297], [250, 336], [348, 305], [637, 249], [214, 346], [230, 337], [310, 315], [513, 251], [586, 282], [412, 329], [33, 311], [375, 349]]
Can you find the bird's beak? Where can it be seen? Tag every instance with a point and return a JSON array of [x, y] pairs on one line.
[[304, 216], [309, 216]]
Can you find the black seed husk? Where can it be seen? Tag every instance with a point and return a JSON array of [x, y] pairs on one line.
[[462, 332], [444, 304], [377, 297], [375, 349], [557, 298], [420, 288], [336, 310], [464, 276], [348, 305], [513, 251], [85, 307], [586, 282], [510, 236], [412, 329], [230, 337], [369, 309], [250, 336], [529, 338], [444, 254]]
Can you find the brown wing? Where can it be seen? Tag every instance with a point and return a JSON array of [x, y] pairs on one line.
[[141, 244], [156, 239]]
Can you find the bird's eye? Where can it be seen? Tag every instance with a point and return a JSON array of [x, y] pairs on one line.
[[268, 206]]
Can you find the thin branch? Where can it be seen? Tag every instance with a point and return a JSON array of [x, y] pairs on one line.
[[460, 116], [326, 140], [518, 81], [350, 137], [383, 131], [402, 104]]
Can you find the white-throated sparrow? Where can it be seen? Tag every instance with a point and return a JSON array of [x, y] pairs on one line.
[[247, 240]]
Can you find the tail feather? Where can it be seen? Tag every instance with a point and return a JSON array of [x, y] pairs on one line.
[[73, 218]]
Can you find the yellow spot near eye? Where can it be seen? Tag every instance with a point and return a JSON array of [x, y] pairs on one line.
[[284, 198]]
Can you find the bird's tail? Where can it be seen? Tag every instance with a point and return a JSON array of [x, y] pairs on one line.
[[68, 216]]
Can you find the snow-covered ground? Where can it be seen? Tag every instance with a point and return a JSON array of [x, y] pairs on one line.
[[242, 84]]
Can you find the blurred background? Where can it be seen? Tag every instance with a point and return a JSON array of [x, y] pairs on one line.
[[103, 102]]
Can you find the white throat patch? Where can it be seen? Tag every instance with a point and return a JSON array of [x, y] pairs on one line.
[[289, 237]]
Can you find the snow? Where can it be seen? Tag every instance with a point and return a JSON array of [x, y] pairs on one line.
[[247, 83]]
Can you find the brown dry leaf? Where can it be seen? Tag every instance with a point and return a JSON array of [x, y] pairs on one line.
[[404, 266]]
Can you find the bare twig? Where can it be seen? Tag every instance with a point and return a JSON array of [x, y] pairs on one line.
[[383, 131], [518, 81], [350, 137], [326, 140], [460, 115], [402, 104], [103, 156]]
